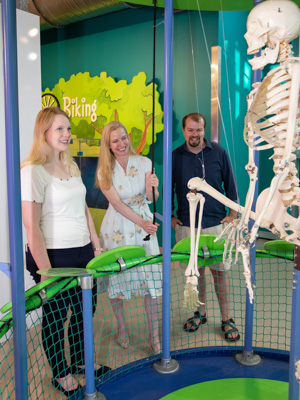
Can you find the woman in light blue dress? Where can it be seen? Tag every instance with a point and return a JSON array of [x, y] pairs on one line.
[[126, 180]]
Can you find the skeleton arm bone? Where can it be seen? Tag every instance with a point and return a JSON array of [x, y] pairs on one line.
[[202, 201], [201, 185], [238, 226], [252, 172], [191, 300], [249, 200], [193, 200], [247, 272]]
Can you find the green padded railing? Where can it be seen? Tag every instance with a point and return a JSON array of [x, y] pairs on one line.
[[271, 328]]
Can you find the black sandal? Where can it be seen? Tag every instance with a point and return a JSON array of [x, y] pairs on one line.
[[192, 321], [230, 323]]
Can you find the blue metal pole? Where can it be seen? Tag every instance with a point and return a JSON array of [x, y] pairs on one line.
[[247, 357], [10, 71], [256, 77], [295, 329], [87, 303], [167, 176]]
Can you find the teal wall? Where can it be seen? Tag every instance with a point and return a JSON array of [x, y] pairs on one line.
[[121, 44], [236, 76], [236, 85]]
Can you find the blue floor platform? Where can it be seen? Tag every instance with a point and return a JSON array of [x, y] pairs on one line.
[[147, 384]]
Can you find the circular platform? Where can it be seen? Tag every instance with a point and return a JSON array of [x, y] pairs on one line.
[[233, 389], [204, 376]]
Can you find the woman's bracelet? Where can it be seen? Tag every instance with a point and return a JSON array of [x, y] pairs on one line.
[[98, 249]]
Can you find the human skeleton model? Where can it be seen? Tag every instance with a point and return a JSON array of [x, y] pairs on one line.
[[272, 121]]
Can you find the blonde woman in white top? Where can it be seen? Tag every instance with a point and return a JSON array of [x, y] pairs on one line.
[[61, 234]]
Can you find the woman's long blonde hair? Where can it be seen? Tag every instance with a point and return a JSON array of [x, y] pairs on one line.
[[106, 160], [40, 150]]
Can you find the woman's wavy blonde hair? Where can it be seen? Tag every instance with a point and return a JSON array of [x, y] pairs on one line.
[[106, 160], [40, 150]]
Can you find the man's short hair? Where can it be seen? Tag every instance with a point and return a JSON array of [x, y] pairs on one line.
[[195, 117]]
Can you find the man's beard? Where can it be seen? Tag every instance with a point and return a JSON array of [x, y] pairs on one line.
[[194, 143]]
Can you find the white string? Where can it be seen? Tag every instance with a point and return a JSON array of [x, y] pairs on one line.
[[193, 59], [196, 88], [228, 87], [217, 96]]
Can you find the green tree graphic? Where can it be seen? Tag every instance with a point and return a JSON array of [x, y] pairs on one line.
[[92, 102]]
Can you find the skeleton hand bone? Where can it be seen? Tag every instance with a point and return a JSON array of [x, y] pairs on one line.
[[229, 233]]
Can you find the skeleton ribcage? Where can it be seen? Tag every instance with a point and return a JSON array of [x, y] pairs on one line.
[[266, 125]]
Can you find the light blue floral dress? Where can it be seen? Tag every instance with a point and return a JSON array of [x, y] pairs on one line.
[[117, 231]]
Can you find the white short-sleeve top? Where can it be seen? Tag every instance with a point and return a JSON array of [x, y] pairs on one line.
[[63, 220]]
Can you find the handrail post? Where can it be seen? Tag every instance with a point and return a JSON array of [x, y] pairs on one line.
[[166, 364], [247, 357], [295, 328], [10, 72]]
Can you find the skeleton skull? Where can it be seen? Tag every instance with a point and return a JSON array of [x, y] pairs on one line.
[[268, 24]]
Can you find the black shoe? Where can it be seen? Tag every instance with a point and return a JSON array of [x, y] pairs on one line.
[[194, 327], [81, 371], [68, 393], [233, 329]]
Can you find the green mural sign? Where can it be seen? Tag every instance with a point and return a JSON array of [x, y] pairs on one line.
[[92, 102]]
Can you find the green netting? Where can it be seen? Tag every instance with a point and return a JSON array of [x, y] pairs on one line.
[[271, 328]]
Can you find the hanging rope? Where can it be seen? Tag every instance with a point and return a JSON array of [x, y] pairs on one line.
[[231, 154], [153, 111]]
